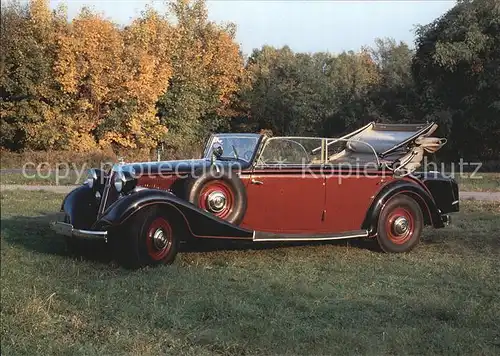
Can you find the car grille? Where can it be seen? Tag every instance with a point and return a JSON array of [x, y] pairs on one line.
[[109, 194]]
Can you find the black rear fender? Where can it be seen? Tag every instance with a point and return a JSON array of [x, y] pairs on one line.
[[444, 190], [431, 213], [197, 222]]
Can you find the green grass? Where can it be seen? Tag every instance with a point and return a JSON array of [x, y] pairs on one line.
[[334, 298], [46, 178], [480, 182]]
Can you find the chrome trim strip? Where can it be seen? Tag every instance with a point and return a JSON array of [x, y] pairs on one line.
[[105, 193], [305, 238], [345, 137], [455, 202], [68, 230], [87, 233]]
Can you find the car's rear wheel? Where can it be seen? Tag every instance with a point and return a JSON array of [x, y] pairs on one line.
[[220, 193], [400, 224], [148, 238]]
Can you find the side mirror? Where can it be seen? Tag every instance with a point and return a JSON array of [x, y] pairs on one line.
[[217, 150]]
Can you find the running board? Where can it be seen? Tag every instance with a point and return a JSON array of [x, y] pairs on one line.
[[260, 236]]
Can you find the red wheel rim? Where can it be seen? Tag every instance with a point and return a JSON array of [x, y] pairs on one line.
[[400, 226], [212, 195], [159, 239]]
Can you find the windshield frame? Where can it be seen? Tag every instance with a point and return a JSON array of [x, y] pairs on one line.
[[207, 152]]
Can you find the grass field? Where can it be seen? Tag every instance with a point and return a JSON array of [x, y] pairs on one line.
[[334, 298], [482, 182]]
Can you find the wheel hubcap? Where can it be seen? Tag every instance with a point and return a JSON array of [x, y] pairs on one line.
[[159, 239], [216, 201], [400, 225]]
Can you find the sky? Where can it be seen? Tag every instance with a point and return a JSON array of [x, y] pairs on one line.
[[305, 26]]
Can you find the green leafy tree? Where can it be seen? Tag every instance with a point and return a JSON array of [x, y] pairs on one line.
[[395, 98], [457, 71], [351, 77], [207, 70], [303, 94], [287, 90]]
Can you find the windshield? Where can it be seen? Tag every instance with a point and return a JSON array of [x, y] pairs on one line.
[[234, 146]]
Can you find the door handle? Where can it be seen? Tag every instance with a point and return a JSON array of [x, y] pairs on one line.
[[258, 182]]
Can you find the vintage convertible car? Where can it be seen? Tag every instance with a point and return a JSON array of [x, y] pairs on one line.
[[266, 189]]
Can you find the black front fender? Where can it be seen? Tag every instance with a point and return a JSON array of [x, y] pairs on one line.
[[81, 206], [199, 223], [431, 213]]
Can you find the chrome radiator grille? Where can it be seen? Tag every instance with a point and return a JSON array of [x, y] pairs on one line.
[[109, 194]]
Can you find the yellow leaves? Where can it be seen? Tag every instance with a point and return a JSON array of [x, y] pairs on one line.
[[102, 68], [91, 83], [147, 44], [40, 12], [117, 138], [89, 56], [371, 72], [205, 57], [82, 142], [225, 66], [141, 130]]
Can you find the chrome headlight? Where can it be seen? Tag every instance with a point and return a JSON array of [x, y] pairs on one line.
[[119, 181], [125, 181], [91, 180]]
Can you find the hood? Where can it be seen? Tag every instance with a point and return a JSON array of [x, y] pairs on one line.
[[181, 166]]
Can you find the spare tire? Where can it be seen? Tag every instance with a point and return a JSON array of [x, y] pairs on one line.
[[219, 191]]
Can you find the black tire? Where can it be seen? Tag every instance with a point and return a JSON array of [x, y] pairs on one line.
[[228, 183], [133, 245], [400, 224]]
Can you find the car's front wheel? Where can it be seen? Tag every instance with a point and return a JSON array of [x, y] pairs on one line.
[[400, 224], [148, 238]]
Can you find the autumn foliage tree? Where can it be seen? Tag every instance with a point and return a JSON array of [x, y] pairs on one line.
[[113, 79], [207, 68], [173, 76], [30, 99], [89, 83]]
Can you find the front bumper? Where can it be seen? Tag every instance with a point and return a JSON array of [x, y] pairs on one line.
[[66, 229]]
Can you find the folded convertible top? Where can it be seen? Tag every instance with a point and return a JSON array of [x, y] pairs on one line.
[[398, 146]]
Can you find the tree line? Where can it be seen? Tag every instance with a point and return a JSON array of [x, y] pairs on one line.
[[172, 77]]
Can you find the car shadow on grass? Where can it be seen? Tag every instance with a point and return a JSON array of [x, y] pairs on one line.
[[34, 234], [214, 245]]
